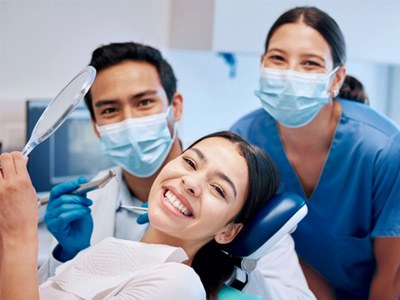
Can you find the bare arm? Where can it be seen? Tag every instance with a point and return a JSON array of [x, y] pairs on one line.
[[386, 280], [18, 230], [318, 285]]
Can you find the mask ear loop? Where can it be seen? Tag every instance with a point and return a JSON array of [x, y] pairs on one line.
[[330, 76], [171, 123]]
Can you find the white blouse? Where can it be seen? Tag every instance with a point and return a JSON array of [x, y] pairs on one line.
[[121, 269]]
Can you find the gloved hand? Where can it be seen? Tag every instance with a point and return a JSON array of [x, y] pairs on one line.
[[144, 218], [68, 218]]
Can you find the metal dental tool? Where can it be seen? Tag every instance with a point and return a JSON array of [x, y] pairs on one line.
[[132, 207], [87, 187]]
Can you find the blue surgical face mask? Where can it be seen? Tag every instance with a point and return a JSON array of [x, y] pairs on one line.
[[139, 145], [293, 98]]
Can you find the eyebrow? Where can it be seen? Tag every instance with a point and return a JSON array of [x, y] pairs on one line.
[[308, 55], [275, 49], [134, 97], [219, 174]]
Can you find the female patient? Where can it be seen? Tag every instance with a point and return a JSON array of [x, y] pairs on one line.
[[200, 200]]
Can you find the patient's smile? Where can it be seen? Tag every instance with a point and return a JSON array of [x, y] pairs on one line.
[[177, 204]]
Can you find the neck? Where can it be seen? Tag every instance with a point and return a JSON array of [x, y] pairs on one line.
[[315, 135], [140, 187]]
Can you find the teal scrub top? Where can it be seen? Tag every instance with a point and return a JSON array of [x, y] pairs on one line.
[[357, 197]]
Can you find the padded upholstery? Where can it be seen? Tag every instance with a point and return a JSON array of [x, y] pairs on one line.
[[279, 217]]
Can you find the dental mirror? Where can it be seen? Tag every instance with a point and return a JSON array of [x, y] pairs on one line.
[[60, 108]]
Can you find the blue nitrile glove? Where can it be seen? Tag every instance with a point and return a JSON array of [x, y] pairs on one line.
[[68, 218], [144, 218]]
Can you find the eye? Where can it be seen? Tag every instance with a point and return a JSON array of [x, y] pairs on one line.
[[312, 63], [108, 111], [219, 190], [145, 102], [189, 162], [276, 59]]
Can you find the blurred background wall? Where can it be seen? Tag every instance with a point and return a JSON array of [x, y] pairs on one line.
[[44, 43]]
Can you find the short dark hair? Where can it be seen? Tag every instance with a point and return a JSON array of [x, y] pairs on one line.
[[210, 263], [321, 22], [115, 53]]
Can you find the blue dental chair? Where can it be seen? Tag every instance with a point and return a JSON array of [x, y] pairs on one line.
[[279, 217]]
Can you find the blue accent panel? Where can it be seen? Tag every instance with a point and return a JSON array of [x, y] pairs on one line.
[[229, 293], [265, 224]]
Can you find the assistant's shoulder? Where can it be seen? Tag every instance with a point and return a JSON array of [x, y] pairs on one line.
[[246, 122], [374, 122]]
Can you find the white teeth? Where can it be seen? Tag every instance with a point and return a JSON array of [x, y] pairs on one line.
[[176, 203]]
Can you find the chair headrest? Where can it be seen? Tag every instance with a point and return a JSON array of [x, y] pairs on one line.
[[277, 218]]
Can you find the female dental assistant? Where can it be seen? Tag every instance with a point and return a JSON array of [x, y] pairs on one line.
[[342, 156]]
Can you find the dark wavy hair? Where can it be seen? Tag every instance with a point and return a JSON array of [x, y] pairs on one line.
[[115, 53], [212, 265], [321, 22], [352, 89]]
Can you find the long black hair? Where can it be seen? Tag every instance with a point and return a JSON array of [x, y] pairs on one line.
[[210, 263], [321, 22]]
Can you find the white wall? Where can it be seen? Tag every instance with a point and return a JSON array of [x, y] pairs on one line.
[[376, 79], [53, 40], [44, 43], [370, 27], [393, 109], [212, 99]]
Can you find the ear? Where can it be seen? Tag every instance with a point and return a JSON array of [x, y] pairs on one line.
[[229, 232], [177, 105], [337, 81], [95, 128], [262, 59]]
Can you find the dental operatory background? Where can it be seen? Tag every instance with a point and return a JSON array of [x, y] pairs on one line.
[[214, 47]]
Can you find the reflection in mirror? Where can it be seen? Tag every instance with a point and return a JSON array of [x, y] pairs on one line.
[[59, 109]]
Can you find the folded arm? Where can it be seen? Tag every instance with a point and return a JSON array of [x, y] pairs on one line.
[[320, 287], [386, 280]]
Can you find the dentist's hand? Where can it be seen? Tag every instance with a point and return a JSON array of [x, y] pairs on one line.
[[68, 218], [144, 218]]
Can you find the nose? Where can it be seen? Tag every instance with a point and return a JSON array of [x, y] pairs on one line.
[[127, 112], [191, 186], [293, 66]]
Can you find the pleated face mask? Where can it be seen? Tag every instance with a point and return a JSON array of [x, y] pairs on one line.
[[139, 145], [293, 98]]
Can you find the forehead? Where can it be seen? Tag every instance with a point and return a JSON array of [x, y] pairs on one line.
[[298, 37], [127, 76], [223, 156]]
